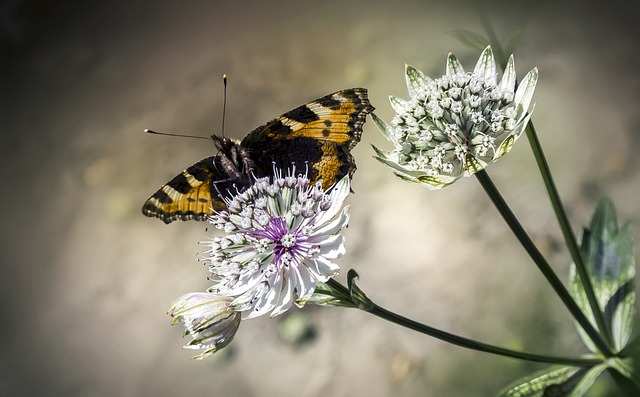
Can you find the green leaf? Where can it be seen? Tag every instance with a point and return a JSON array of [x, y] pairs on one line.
[[625, 372], [609, 258], [555, 381], [472, 39]]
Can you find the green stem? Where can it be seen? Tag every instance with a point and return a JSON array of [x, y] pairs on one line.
[[540, 261], [461, 341], [567, 232], [561, 215]]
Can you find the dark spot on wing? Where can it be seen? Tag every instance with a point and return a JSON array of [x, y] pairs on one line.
[[180, 184], [279, 128], [199, 173], [302, 114], [162, 197], [329, 102]]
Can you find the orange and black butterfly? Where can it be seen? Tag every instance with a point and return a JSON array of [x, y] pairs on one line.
[[317, 136]]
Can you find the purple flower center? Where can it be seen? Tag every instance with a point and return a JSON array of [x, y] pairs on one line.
[[287, 243]]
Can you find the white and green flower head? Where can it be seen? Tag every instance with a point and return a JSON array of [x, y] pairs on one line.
[[282, 235], [455, 125], [208, 319]]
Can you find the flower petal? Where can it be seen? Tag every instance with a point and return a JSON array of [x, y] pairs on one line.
[[332, 247], [385, 128], [305, 283], [286, 300], [335, 225], [486, 67], [324, 269], [525, 91], [508, 82], [263, 302], [398, 104], [416, 80], [338, 194], [453, 65]]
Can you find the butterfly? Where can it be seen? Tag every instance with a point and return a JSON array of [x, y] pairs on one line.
[[317, 137]]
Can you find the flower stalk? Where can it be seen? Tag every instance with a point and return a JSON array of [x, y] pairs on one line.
[[556, 202], [467, 343], [541, 262], [567, 232]]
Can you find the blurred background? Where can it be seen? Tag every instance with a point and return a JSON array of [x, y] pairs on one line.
[[86, 279]]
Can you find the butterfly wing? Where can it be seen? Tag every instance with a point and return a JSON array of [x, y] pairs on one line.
[[317, 136], [188, 195]]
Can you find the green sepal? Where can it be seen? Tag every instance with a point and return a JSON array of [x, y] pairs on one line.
[[385, 128], [398, 104], [357, 295], [416, 80], [326, 294], [472, 164], [505, 147]]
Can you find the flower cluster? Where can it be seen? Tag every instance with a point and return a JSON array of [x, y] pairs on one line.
[[281, 236], [455, 125]]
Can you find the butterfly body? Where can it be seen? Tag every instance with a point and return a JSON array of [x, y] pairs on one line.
[[316, 137]]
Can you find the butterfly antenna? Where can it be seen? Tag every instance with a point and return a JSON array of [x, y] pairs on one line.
[[224, 102], [148, 131]]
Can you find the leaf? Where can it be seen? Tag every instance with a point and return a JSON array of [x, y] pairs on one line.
[[555, 382], [626, 372], [357, 295], [627, 381], [472, 39], [609, 258]]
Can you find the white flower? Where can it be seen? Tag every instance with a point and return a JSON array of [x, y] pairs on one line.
[[282, 236], [455, 125], [208, 319]]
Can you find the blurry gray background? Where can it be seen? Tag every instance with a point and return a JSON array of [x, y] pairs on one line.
[[86, 279]]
